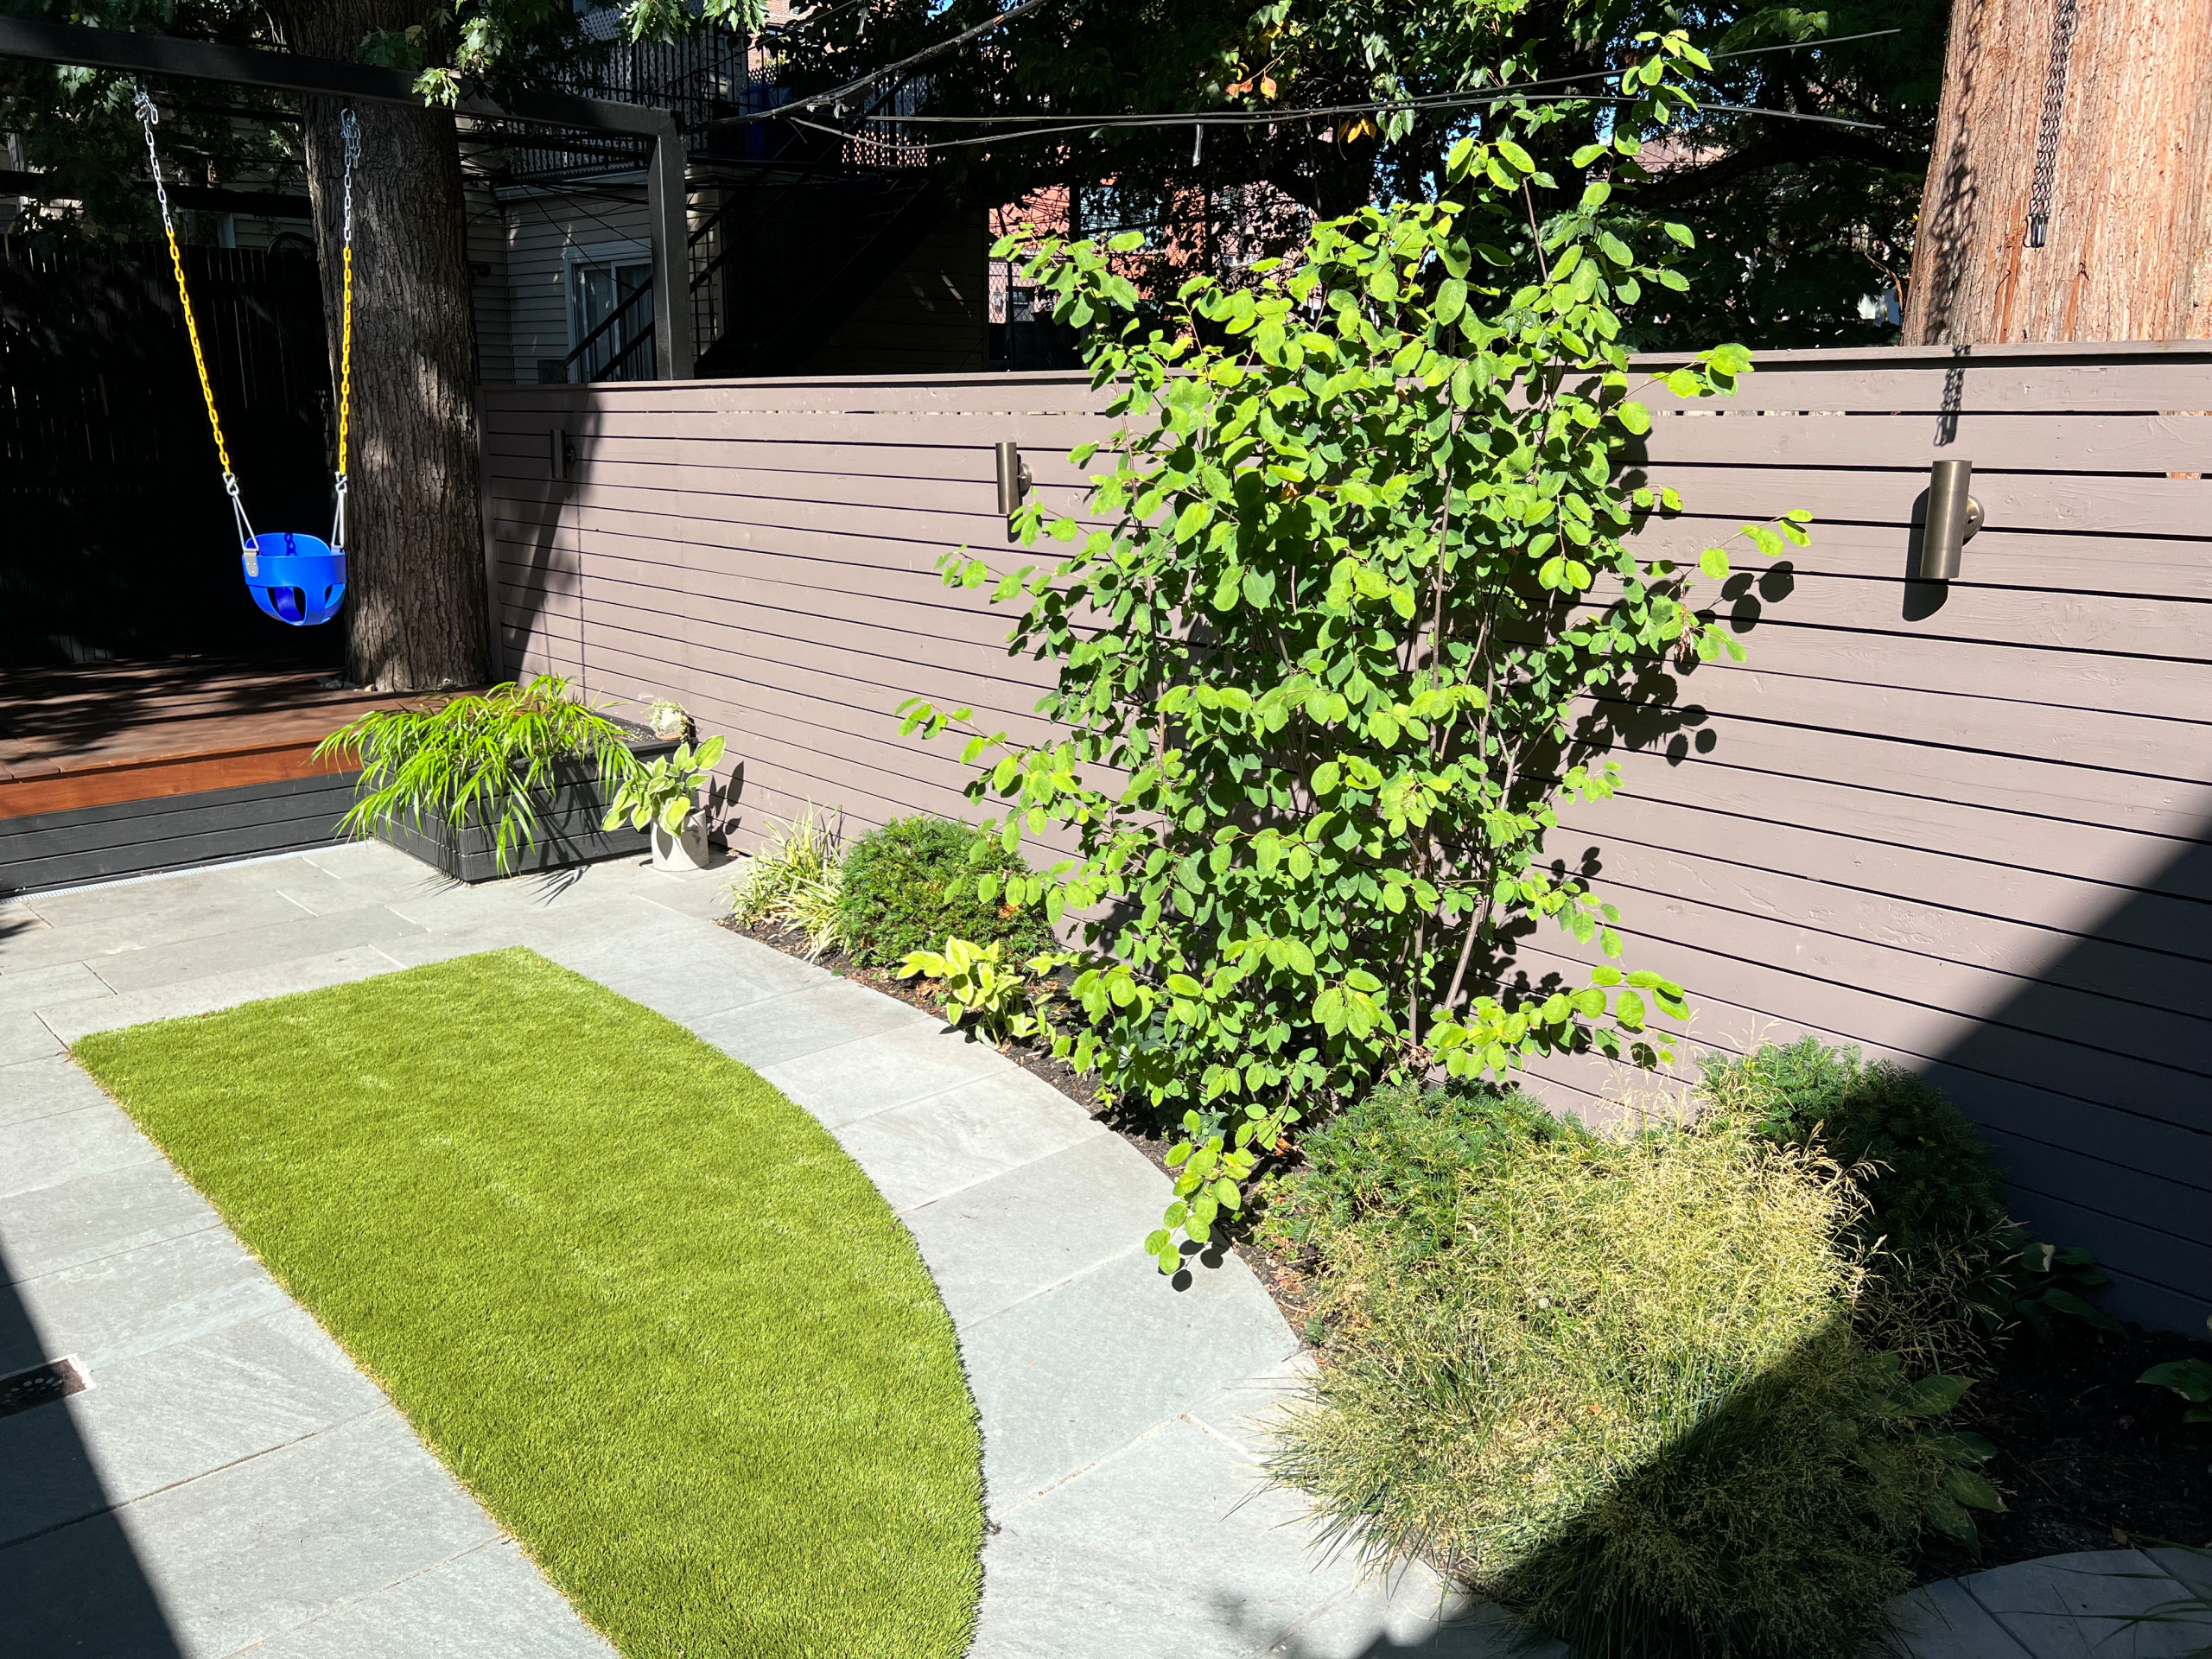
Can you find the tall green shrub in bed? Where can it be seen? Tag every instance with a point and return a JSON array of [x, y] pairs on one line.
[[1356, 613], [913, 884]]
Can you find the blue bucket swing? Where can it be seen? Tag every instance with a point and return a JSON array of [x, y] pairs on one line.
[[294, 577]]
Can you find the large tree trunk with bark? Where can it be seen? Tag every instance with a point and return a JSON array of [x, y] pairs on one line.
[[415, 610], [2114, 99]]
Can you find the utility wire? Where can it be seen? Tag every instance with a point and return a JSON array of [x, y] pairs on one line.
[[838, 95], [1291, 117], [1462, 98]]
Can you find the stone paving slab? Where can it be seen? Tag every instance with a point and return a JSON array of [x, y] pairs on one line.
[[25, 1036], [160, 1419], [1004, 1240], [75, 1222], [1067, 1378], [1943, 1621], [945, 1143], [489, 1603], [2076, 1606], [232, 1482], [219, 990]]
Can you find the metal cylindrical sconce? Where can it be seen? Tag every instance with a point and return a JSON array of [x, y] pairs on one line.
[[1014, 483], [1953, 518]]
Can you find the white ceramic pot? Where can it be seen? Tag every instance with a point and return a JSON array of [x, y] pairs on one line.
[[685, 850]]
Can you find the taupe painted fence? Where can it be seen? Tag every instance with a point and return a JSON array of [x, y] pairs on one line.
[[1970, 829]]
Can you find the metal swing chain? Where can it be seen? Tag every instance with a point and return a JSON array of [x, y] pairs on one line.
[[148, 117], [352, 130], [2062, 24]]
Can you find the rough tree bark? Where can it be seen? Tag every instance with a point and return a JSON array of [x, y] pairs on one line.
[[2128, 254], [415, 610]]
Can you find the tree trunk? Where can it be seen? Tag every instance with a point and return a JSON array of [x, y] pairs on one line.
[[415, 601], [2128, 242]]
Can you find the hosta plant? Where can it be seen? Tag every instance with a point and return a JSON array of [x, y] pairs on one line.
[[1354, 611], [976, 982], [666, 790]]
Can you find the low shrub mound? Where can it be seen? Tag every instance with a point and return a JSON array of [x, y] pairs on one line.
[[1926, 1176], [912, 884], [1953, 1271], [1617, 1387], [1396, 1159]]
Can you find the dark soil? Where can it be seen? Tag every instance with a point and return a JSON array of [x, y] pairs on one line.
[[2087, 1457]]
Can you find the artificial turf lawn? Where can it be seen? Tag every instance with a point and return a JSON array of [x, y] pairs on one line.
[[644, 1307]]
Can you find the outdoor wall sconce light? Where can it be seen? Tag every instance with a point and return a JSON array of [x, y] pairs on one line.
[[1953, 518], [564, 455], [1014, 483]]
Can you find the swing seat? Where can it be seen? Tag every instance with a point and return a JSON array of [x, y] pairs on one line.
[[299, 580]]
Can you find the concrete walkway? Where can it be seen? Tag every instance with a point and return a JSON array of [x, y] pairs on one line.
[[231, 1483]]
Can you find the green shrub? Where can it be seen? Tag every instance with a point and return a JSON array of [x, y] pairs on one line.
[[1623, 1396], [1953, 1269], [1928, 1179], [1400, 1155], [912, 884]]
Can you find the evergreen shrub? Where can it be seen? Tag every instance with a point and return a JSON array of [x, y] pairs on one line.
[[916, 882]]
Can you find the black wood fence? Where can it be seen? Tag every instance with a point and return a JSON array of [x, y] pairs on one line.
[[118, 540]]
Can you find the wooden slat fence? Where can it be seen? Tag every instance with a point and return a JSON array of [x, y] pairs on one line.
[[1968, 830]]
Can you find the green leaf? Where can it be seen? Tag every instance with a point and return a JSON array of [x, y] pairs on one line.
[[1326, 778], [1714, 563], [1634, 416], [1972, 1489], [1932, 1396]]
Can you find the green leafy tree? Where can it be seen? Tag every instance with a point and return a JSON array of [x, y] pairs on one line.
[[1359, 586], [1798, 220]]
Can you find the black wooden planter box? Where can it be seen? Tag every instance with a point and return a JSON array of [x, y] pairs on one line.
[[568, 827]]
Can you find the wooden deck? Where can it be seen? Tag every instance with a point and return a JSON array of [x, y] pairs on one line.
[[106, 733]]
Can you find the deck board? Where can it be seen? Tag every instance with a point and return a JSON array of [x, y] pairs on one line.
[[99, 734]]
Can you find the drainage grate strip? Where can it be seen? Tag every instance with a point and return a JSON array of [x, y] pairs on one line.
[[55, 1380]]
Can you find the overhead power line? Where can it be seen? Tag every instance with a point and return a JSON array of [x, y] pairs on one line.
[[1052, 124], [838, 95]]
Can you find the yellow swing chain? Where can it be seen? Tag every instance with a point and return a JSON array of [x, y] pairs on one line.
[[149, 117], [352, 130]]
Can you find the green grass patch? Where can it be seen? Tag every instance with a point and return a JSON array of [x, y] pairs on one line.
[[643, 1305]]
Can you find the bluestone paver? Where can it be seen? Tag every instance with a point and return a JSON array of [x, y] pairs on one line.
[[2078, 1606], [232, 1483], [1943, 1621]]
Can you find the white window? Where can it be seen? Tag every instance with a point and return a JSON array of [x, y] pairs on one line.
[[610, 311]]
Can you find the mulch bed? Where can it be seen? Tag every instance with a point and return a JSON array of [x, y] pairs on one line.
[[2087, 1457]]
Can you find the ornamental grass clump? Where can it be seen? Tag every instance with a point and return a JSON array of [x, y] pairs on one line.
[[1625, 1399], [1955, 1272], [794, 880], [490, 756]]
